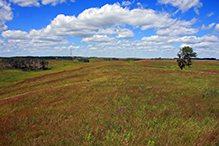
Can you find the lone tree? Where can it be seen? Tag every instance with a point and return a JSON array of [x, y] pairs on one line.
[[185, 55]]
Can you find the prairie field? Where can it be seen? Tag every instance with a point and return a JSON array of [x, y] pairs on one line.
[[111, 103]]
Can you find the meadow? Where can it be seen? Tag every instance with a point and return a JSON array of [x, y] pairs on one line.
[[145, 102]]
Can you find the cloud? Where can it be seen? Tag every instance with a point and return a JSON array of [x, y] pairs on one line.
[[97, 39], [183, 5], [210, 14], [15, 35], [126, 3], [93, 48], [26, 3], [52, 2], [125, 33], [104, 28], [122, 32], [207, 27], [180, 27], [92, 20], [114, 15], [177, 31], [5, 11], [36, 3], [155, 38], [203, 44], [167, 47], [167, 40], [2, 25], [5, 14], [206, 42], [23, 39], [67, 48], [217, 27], [193, 39]]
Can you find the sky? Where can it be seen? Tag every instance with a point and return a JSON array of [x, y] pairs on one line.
[[112, 28]]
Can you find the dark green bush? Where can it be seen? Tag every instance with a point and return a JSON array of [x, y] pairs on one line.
[[83, 60]]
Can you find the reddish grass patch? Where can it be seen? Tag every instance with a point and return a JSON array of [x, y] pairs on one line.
[[181, 103], [185, 97], [14, 99], [212, 136], [27, 81], [40, 84]]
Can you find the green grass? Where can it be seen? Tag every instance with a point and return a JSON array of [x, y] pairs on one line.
[[152, 102]]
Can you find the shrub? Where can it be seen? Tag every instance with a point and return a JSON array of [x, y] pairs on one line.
[[83, 60]]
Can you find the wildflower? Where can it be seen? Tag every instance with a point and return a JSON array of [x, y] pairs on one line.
[[110, 122], [113, 122], [118, 123], [111, 127], [36, 139], [121, 110], [128, 87]]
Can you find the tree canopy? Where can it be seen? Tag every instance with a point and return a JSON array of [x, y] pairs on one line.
[[185, 55]]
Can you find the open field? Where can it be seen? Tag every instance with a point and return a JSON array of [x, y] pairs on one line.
[[146, 102]]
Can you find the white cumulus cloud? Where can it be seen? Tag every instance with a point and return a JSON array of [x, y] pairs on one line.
[[122, 32], [217, 27], [15, 35], [6, 14], [97, 39]]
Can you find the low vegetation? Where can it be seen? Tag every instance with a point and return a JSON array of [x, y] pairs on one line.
[[142, 102]]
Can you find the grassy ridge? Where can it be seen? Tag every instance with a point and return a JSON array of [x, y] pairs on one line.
[[147, 102]]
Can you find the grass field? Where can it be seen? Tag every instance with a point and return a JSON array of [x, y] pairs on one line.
[[146, 102]]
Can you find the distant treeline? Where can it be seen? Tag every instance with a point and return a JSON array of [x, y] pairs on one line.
[[25, 63], [86, 59], [108, 59], [204, 58], [201, 58], [79, 58], [44, 57]]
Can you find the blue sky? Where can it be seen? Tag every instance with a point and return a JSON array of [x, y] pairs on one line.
[[137, 28]]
